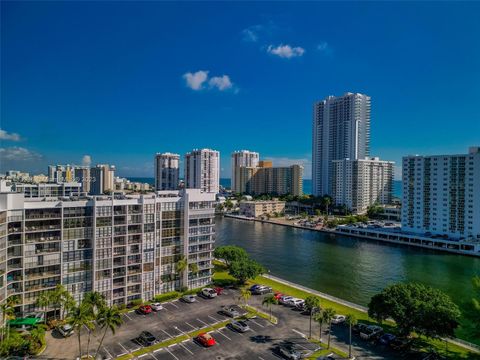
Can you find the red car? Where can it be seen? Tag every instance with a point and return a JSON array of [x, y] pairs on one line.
[[277, 295], [144, 309], [218, 290], [205, 339]]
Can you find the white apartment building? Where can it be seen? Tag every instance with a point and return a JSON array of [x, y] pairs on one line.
[[259, 208], [341, 130], [48, 189], [167, 171], [125, 247], [360, 183], [441, 194], [242, 158], [202, 170]]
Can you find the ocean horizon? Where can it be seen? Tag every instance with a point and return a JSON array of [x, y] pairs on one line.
[[307, 184]]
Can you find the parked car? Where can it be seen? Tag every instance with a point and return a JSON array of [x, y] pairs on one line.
[[400, 343], [156, 306], [358, 328], [253, 287], [146, 338], [330, 356], [289, 352], [338, 319], [261, 290], [189, 298], [209, 293], [230, 311], [283, 299], [293, 301], [205, 339], [144, 309], [65, 330], [386, 339], [371, 332], [240, 325], [277, 295]]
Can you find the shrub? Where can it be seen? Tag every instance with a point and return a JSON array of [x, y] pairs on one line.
[[167, 296], [136, 302]]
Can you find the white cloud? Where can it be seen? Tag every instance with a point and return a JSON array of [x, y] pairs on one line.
[[286, 51], [86, 160], [16, 153], [324, 47], [4, 135], [286, 161], [196, 80], [221, 82], [250, 34]]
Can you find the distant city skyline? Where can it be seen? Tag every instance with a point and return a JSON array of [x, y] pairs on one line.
[[152, 77]]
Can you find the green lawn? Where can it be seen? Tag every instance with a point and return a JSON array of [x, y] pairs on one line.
[[454, 352]]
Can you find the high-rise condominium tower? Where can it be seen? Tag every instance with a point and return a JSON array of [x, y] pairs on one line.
[[166, 171], [441, 194], [341, 130], [202, 170], [242, 158]]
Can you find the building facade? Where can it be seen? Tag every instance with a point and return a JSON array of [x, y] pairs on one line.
[[125, 247], [167, 171], [260, 208], [358, 184], [48, 189], [441, 194], [242, 158], [341, 130], [202, 170]]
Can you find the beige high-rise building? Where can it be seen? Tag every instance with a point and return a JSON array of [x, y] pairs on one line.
[[242, 158]]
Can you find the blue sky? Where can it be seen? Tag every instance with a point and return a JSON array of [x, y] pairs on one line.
[[120, 81]]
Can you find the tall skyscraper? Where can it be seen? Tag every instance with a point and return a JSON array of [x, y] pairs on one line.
[[341, 130], [358, 184], [242, 158], [82, 175], [202, 170], [441, 194], [166, 171]]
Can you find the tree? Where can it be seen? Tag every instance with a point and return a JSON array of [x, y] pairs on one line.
[[326, 201], [474, 312], [43, 301], [37, 337], [351, 320], [8, 313], [108, 318], [328, 315], [181, 265], [245, 269], [245, 294], [78, 317], [95, 303], [374, 211], [230, 253], [416, 307], [193, 267], [318, 317], [312, 303], [268, 301]]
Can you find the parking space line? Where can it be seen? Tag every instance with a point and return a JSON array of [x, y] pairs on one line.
[[109, 355], [171, 303], [216, 320], [261, 358], [170, 336], [299, 333], [183, 346], [225, 336], [123, 347], [128, 317], [171, 353], [203, 322], [152, 354], [193, 327], [256, 323]]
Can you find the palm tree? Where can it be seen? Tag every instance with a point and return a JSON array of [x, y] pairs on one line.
[[328, 315], [351, 320], [326, 202], [245, 294], [37, 334], [43, 301], [312, 303], [193, 267], [269, 300], [95, 303], [8, 312], [108, 318], [78, 317], [318, 317]]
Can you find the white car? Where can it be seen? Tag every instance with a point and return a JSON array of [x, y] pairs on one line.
[[209, 293], [66, 330], [338, 319], [293, 301], [156, 306], [284, 299], [189, 298]]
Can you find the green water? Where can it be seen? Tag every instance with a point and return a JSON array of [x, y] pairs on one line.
[[345, 267]]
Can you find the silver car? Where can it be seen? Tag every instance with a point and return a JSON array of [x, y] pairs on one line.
[[240, 325], [230, 311], [189, 298]]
